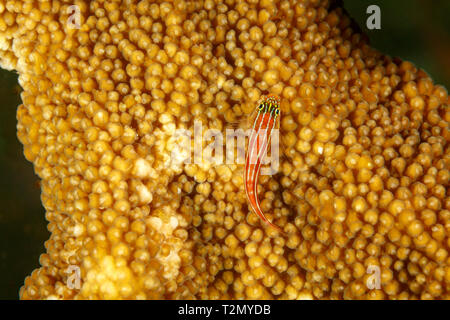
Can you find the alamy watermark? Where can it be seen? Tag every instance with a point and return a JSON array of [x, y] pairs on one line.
[[374, 281], [235, 139], [74, 19], [374, 20], [74, 278]]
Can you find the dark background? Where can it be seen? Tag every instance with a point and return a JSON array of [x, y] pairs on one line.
[[414, 30]]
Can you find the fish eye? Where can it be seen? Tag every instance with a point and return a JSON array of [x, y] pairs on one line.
[[261, 106], [277, 111]]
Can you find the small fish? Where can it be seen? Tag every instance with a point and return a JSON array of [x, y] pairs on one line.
[[267, 118]]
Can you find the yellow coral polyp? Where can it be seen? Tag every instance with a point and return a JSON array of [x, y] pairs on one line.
[[363, 178]]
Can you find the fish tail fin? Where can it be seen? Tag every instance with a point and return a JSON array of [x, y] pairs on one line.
[[275, 227]]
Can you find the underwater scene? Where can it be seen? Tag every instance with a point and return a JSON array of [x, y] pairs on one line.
[[224, 150]]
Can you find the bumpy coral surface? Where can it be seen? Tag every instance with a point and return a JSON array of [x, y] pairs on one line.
[[361, 193]]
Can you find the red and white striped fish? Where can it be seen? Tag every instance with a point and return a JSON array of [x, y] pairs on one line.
[[267, 119]]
